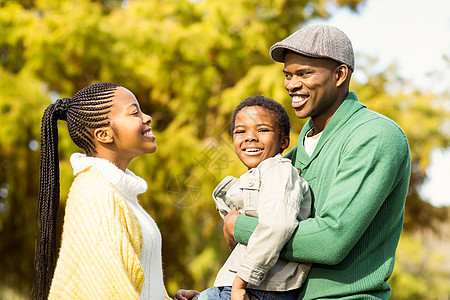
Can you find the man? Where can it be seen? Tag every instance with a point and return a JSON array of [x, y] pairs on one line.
[[357, 164]]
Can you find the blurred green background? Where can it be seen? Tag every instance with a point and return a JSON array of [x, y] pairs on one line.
[[189, 63]]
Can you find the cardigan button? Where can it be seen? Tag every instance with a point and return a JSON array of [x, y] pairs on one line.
[[250, 183]]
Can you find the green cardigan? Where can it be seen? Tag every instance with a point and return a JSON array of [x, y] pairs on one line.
[[359, 176]]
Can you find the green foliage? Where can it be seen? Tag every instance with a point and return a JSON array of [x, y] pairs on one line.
[[189, 63], [422, 267], [19, 136]]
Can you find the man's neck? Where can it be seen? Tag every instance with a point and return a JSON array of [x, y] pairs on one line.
[[320, 122]]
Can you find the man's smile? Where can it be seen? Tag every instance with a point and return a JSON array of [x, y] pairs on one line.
[[299, 100]]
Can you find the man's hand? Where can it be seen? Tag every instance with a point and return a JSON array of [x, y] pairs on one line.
[[228, 227], [185, 294], [238, 291]]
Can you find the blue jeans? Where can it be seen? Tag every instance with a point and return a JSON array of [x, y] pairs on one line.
[[215, 293], [224, 293]]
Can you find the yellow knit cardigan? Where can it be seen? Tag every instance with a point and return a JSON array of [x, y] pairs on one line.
[[101, 244]]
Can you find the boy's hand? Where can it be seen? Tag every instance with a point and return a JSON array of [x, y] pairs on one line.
[[238, 291], [228, 227], [185, 294]]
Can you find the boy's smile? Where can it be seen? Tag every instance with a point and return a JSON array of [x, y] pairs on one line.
[[257, 136], [253, 151]]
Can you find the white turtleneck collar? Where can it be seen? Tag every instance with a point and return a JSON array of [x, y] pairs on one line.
[[129, 184]]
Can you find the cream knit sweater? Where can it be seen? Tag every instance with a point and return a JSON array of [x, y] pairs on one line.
[[111, 248]]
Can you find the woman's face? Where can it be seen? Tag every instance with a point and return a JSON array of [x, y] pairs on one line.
[[131, 127]]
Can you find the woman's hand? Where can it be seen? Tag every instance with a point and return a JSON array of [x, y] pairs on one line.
[[185, 294]]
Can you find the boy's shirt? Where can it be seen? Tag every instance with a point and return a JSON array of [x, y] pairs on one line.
[[279, 197]]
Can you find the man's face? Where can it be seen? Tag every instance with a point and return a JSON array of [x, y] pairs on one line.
[[312, 86]]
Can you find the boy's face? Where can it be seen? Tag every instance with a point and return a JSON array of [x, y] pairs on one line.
[[257, 136]]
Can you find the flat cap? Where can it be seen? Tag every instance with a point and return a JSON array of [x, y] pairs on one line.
[[319, 41]]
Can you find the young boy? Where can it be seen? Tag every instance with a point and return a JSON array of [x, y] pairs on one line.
[[271, 190]]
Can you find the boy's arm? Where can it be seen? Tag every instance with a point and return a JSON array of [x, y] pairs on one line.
[[278, 207], [239, 228]]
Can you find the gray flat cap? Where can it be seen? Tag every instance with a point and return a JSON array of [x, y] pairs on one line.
[[320, 41]]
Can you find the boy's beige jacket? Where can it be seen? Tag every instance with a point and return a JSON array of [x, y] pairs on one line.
[[279, 197]]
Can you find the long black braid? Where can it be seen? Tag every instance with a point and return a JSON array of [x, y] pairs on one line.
[[87, 110]]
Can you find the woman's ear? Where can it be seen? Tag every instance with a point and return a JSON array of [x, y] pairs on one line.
[[104, 135], [285, 140]]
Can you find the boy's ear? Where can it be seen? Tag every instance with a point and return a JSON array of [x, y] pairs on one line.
[[104, 135], [285, 140]]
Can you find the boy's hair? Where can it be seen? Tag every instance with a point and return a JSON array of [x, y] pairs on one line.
[[87, 110], [275, 108]]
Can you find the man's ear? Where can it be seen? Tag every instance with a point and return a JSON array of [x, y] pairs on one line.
[[341, 74], [104, 135], [285, 140]]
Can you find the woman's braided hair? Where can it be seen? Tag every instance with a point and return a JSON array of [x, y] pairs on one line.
[[87, 110]]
